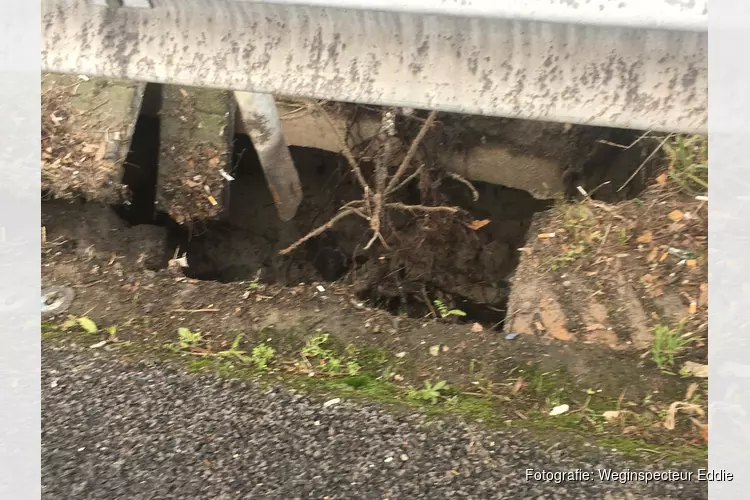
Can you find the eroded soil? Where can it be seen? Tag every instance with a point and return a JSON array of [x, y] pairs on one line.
[[569, 319], [119, 277]]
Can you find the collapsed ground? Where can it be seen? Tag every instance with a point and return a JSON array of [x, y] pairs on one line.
[[586, 349]]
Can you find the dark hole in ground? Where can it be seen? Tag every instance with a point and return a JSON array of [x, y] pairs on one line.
[[140, 172], [615, 169], [433, 258]]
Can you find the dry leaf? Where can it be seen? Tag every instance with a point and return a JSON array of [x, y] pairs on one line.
[[646, 237], [434, 350], [676, 215], [691, 262], [544, 236], [631, 429], [184, 92], [691, 391], [693, 369], [561, 334], [214, 161], [611, 415], [476, 328], [101, 152], [477, 224], [559, 410], [693, 308], [652, 255], [680, 406], [703, 298], [662, 179], [520, 384]]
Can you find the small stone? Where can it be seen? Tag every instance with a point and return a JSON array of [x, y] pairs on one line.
[[388, 460], [331, 402], [404, 457]]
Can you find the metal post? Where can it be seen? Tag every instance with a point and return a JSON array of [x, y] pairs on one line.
[[261, 121]]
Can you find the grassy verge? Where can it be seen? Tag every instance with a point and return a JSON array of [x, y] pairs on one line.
[[325, 368]]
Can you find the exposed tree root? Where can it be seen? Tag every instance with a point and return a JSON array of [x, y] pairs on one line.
[[375, 200]]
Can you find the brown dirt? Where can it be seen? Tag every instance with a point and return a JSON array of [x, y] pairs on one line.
[[86, 130], [584, 301], [196, 133], [107, 263], [609, 274], [462, 267]]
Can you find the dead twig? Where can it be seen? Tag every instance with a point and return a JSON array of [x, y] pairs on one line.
[[640, 167], [387, 130], [345, 150], [422, 208], [375, 198], [474, 192], [639, 139], [412, 150], [604, 239], [207, 310], [427, 301], [406, 181], [315, 232]]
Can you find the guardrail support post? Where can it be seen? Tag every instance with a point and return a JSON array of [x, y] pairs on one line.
[[261, 122]]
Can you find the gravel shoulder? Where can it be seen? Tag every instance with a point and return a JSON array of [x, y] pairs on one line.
[[114, 427]]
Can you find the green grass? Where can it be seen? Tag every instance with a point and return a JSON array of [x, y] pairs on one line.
[[667, 344], [261, 355], [688, 163], [430, 392], [581, 232], [372, 384], [187, 338]]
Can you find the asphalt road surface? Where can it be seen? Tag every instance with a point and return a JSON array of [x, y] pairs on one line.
[[146, 430]]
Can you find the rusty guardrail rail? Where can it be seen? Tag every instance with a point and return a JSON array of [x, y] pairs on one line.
[[638, 64]]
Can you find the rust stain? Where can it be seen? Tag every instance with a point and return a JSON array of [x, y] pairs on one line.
[[275, 196]]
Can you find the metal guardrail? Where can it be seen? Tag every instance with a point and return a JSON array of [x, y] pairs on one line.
[[638, 64]]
